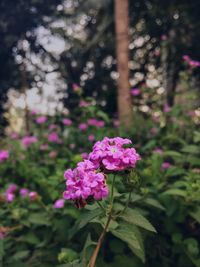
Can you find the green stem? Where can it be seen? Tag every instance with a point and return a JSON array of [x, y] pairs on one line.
[[112, 191], [101, 238]]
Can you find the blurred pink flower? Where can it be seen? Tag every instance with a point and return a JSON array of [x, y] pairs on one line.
[[166, 108], [44, 147], [165, 165], [24, 192], [10, 197], [135, 91], [4, 155], [33, 195], [53, 137], [91, 138], [41, 119], [67, 122], [59, 203], [53, 154], [14, 136], [11, 188], [83, 103], [28, 140], [84, 155], [83, 126], [75, 87]]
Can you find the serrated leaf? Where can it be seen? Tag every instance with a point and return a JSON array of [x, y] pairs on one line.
[[135, 217]]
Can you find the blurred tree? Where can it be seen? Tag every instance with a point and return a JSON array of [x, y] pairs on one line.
[[122, 50], [18, 21]]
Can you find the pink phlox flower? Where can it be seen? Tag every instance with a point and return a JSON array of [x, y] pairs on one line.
[[111, 154], [84, 182], [4, 155]]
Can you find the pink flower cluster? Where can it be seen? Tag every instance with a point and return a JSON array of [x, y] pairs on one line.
[[95, 122], [87, 181], [192, 63], [111, 154], [4, 155], [28, 140], [84, 182], [54, 138], [11, 191]]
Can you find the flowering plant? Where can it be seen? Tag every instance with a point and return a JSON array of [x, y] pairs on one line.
[[88, 182]]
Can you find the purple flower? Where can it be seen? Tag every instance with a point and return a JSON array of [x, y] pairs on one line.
[[11, 188], [4, 155], [165, 165], [10, 197], [28, 140], [111, 154], [41, 119], [67, 122], [91, 138], [135, 91], [24, 192], [82, 126], [84, 155], [53, 137], [59, 204], [84, 182]]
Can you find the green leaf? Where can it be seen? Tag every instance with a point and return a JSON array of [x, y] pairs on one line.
[[175, 192], [84, 219], [21, 255], [196, 215], [1, 250], [154, 203], [126, 232], [191, 149], [135, 217], [39, 219], [138, 252], [30, 238]]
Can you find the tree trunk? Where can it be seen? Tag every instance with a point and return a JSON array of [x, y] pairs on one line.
[[122, 51]]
